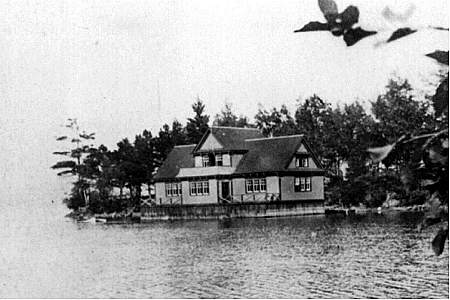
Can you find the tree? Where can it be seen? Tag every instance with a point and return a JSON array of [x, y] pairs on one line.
[[398, 112], [198, 125], [147, 155], [228, 118], [427, 154], [275, 122], [168, 138], [314, 120], [132, 172], [355, 132], [73, 164]]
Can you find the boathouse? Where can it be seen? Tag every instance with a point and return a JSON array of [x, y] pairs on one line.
[[239, 167]]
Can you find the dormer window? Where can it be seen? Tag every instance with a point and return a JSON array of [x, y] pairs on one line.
[[301, 162], [212, 159], [219, 160], [205, 160]]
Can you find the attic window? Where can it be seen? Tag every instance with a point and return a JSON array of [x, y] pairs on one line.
[[211, 160], [301, 161], [219, 160], [205, 160]]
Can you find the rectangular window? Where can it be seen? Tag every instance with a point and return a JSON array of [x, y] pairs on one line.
[[301, 162], [219, 160], [256, 188], [168, 189], [173, 189], [263, 185], [297, 184], [205, 160], [308, 184], [249, 185], [302, 184], [205, 185], [199, 188], [305, 162], [255, 185]]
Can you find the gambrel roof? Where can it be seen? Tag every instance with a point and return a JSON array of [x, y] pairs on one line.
[[260, 155]]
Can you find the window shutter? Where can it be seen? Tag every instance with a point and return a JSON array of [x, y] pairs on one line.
[[226, 159], [198, 161]]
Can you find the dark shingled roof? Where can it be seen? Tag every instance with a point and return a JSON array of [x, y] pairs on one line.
[[179, 157], [269, 154], [262, 154], [232, 138]]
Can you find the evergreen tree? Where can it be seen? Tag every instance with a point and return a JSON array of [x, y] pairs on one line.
[[229, 119], [275, 122], [73, 164], [198, 125]]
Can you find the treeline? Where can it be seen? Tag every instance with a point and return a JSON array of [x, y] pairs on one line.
[[340, 136]]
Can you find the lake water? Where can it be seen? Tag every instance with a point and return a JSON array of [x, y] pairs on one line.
[[315, 256]]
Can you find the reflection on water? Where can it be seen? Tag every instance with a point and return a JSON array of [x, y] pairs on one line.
[[318, 256]]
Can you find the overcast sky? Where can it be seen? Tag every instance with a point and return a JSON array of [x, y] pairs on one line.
[[103, 61]]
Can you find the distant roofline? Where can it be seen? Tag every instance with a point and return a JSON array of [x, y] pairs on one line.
[[180, 146], [277, 137], [231, 127]]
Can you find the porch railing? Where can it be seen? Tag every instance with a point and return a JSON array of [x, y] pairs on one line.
[[254, 197], [172, 200]]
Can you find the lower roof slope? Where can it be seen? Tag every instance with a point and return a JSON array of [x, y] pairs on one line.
[[269, 154], [263, 155], [179, 157]]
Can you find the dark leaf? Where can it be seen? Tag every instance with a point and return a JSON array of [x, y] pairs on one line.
[[440, 99], [64, 164], [440, 28], [352, 36], [87, 136], [341, 23], [399, 33], [65, 172], [328, 7], [313, 26], [61, 138], [439, 56], [61, 152], [438, 242], [348, 17]]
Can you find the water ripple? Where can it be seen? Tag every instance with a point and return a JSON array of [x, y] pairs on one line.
[[368, 256]]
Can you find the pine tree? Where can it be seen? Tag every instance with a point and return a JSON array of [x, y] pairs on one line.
[[197, 126]]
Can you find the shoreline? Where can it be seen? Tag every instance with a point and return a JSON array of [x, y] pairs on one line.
[[137, 217]]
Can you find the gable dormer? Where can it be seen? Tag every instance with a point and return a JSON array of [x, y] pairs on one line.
[[223, 146], [208, 152], [304, 158], [210, 144]]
